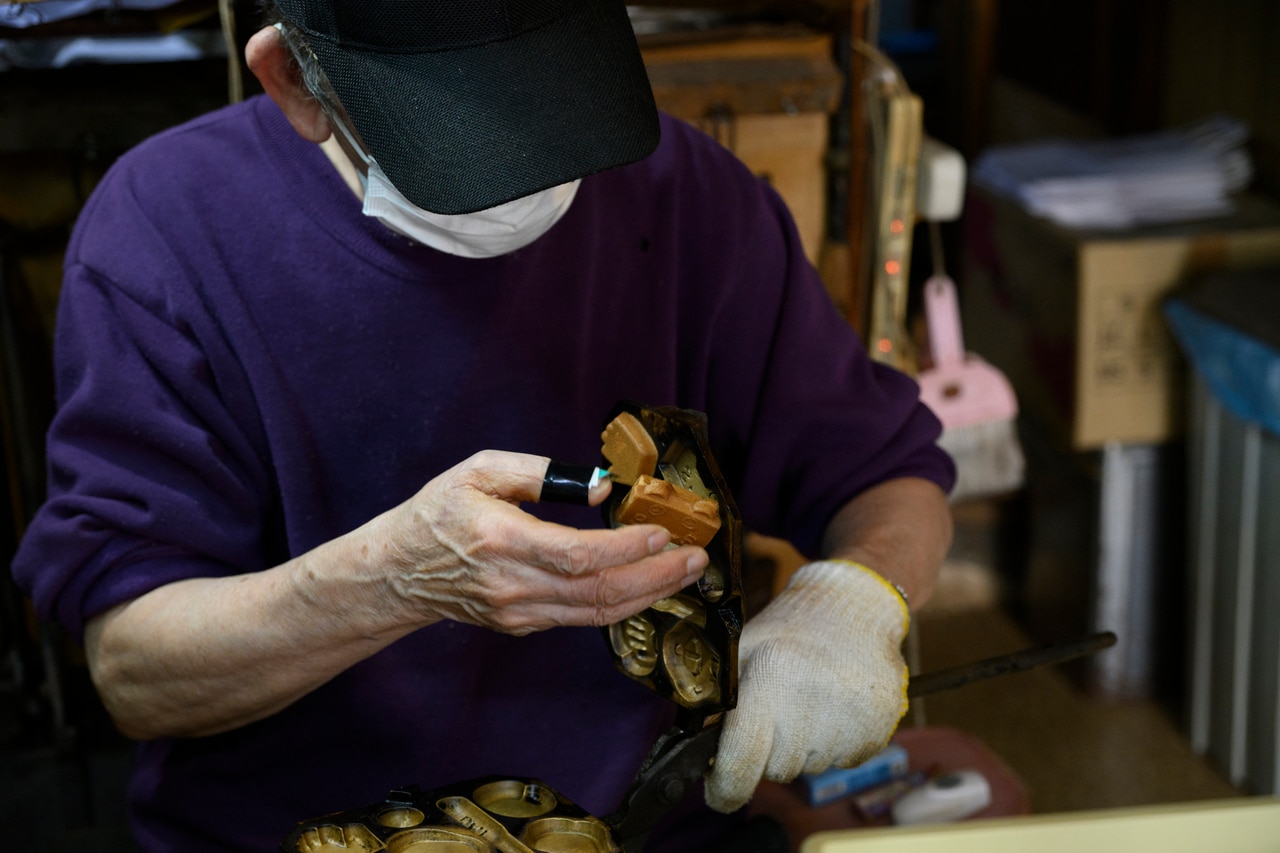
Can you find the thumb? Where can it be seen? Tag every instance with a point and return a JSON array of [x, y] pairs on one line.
[[745, 746]]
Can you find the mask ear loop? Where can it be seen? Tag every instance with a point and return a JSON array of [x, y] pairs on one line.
[[328, 99]]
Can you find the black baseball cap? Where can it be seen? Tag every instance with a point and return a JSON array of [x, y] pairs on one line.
[[467, 104]]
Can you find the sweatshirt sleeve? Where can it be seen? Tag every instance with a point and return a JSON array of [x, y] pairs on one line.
[[819, 421], [150, 480]]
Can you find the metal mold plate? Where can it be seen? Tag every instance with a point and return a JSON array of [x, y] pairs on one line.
[[437, 840], [489, 815], [566, 835], [686, 647]]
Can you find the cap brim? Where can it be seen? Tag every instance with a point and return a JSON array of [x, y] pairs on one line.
[[462, 130]]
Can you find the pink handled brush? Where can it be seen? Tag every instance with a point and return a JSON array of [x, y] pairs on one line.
[[973, 400]]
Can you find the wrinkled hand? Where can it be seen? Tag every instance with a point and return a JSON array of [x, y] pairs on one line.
[[821, 681], [462, 549]]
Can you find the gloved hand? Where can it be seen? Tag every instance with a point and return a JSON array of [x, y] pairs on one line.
[[821, 681]]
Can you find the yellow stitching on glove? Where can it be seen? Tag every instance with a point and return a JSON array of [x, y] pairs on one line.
[[897, 590]]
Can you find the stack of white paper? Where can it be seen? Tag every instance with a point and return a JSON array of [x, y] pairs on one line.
[[1185, 173], [59, 51], [109, 49], [31, 13]]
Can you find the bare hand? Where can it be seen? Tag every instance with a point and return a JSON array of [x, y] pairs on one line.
[[462, 549]]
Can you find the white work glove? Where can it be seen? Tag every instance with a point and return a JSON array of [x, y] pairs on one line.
[[821, 681]]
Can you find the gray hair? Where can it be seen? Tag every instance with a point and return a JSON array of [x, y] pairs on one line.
[[302, 58]]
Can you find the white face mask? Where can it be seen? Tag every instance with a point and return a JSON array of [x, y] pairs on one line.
[[483, 234]]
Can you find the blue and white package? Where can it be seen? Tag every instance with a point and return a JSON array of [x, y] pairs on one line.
[[830, 785]]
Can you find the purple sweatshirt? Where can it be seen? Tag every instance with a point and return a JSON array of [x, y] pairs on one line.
[[248, 367]]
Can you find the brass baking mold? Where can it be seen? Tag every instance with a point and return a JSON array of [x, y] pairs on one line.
[[489, 815], [685, 647]]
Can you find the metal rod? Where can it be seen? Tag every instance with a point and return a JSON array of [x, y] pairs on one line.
[[948, 679]]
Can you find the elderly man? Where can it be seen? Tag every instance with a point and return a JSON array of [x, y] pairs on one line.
[[314, 353]]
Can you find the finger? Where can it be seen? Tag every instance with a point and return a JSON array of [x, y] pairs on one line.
[[613, 594], [574, 484], [569, 551], [788, 758], [590, 612], [540, 561], [533, 600], [837, 756], [794, 732], [745, 745], [592, 567]]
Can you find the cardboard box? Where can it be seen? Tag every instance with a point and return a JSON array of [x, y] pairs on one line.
[[788, 151], [772, 70], [768, 99], [1073, 318]]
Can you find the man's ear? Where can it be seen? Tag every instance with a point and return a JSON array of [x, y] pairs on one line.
[[268, 58]]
